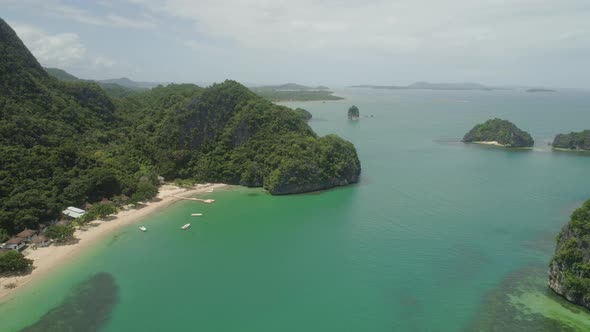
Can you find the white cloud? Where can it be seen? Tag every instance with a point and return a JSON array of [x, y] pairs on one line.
[[385, 27], [63, 50], [101, 61], [339, 41], [59, 9]]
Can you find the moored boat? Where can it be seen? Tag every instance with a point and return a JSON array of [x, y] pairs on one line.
[[196, 214], [185, 226]]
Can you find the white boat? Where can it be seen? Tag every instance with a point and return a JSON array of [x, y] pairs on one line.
[[209, 191], [196, 214], [143, 228], [185, 226]]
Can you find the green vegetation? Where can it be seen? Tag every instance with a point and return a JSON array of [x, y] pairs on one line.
[[569, 269], [3, 235], [303, 113], [276, 95], [60, 233], [70, 143], [573, 141], [101, 210], [118, 91], [113, 90], [294, 92], [353, 113], [14, 262], [501, 131], [61, 74]]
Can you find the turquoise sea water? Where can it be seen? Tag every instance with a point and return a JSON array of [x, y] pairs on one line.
[[438, 236]]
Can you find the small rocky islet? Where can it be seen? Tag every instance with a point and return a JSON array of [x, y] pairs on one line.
[[500, 132], [569, 269]]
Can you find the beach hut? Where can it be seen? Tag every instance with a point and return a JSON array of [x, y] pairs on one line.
[[15, 243], [73, 212], [40, 241], [27, 234]]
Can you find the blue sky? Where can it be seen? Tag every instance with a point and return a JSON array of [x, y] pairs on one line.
[[330, 42]]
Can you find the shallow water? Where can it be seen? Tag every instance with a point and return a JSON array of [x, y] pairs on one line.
[[438, 236]]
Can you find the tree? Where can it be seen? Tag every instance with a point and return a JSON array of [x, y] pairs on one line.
[[145, 190], [3, 235], [60, 233], [303, 113], [13, 261], [102, 210], [353, 113]]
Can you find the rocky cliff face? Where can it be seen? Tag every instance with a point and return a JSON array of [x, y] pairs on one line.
[[286, 187], [569, 270], [573, 141]]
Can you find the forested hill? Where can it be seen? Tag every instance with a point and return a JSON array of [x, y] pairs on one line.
[[60, 74], [573, 141], [68, 143], [501, 131]]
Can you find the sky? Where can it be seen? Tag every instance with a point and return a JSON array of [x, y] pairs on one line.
[[328, 42]]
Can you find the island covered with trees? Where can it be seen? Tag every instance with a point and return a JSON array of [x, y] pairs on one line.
[[294, 92], [499, 132], [353, 113], [569, 270], [67, 143], [579, 141]]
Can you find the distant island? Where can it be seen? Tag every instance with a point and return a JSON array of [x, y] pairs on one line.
[[579, 141], [432, 86], [294, 92], [499, 132], [539, 90], [569, 270]]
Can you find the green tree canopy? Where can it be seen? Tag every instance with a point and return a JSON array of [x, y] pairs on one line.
[[502, 131], [67, 143], [573, 141], [60, 233], [353, 112], [14, 262]]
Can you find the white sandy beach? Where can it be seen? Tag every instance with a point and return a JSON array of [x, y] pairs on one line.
[[488, 143], [50, 258]]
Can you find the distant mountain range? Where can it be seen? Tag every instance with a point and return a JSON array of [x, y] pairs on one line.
[[433, 86], [128, 83], [539, 90], [125, 82]]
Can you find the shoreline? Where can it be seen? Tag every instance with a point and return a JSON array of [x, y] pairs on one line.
[[49, 259], [494, 143], [569, 150]]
